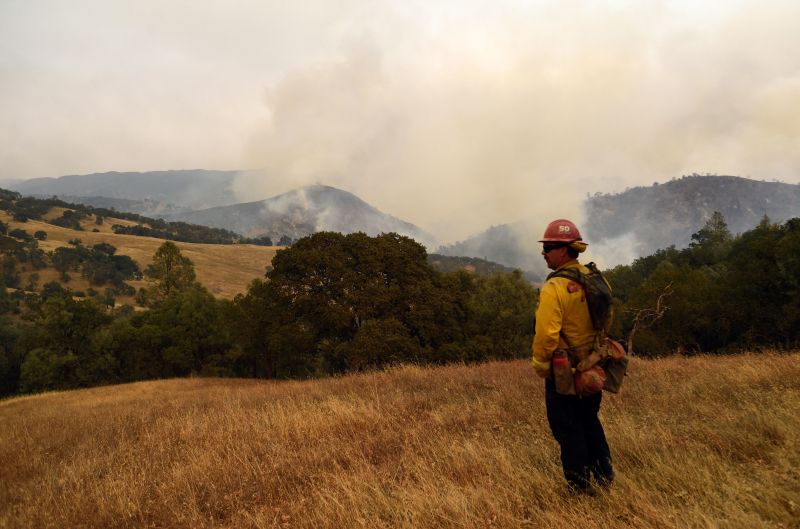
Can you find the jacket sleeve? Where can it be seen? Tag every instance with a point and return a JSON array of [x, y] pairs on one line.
[[548, 328]]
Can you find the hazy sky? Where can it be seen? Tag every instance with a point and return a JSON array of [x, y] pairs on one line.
[[453, 115]]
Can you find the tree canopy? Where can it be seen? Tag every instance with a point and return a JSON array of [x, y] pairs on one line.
[[729, 293]]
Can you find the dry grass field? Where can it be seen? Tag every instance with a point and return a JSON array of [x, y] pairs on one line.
[[706, 442], [224, 269]]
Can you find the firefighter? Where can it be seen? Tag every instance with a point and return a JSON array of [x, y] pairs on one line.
[[563, 322]]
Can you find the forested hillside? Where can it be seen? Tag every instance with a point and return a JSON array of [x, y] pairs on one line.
[[302, 212], [44, 245], [722, 293], [511, 245], [635, 223], [330, 304], [449, 263], [334, 303], [25, 208], [650, 218]]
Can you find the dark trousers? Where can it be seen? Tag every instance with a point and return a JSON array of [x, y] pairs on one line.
[[577, 429]]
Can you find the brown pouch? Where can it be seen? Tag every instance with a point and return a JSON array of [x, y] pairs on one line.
[[562, 373], [590, 381], [615, 366]]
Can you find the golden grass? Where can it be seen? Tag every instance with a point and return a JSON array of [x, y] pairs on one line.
[[224, 269], [707, 442]]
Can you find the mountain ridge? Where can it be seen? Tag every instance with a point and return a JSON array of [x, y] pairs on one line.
[[206, 197], [190, 188], [620, 227], [667, 214], [303, 211]]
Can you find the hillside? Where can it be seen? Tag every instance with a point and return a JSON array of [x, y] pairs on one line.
[[649, 218], [447, 263], [225, 269], [206, 198], [302, 212], [508, 244], [146, 207], [623, 226], [697, 442], [192, 189]]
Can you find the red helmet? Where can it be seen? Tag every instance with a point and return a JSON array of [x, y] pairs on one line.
[[561, 230]]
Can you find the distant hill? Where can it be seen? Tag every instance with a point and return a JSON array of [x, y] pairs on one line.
[[225, 269], [511, 245], [206, 198], [187, 189], [302, 212], [146, 207], [638, 221], [447, 263], [661, 215]]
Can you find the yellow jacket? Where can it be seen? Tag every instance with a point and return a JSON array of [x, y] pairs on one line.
[[562, 308]]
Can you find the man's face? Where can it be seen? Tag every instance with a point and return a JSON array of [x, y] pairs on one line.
[[554, 255]]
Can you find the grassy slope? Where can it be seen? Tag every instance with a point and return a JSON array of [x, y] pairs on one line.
[[224, 269], [700, 442]]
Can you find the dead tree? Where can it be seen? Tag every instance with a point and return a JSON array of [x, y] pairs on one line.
[[645, 318]]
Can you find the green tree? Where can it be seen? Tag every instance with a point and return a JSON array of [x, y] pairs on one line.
[[186, 333], [711, 244], [695, 320], [254, 318], [170, 272], [67, 259], [104, 247], [19, 233], [10, 359], [379, 343], [788, 262], [33, 282], [5, 301], [333, 284], [61, 355], [9, 272], [758, 285], [334, 302], [503, 310]]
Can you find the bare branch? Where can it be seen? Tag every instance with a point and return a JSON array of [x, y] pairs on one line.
[[645, 318]]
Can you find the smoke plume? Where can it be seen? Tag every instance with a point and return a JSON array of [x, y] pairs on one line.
[[519, 114], [454, 115]]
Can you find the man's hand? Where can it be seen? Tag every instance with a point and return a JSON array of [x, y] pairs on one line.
[[542, 368]]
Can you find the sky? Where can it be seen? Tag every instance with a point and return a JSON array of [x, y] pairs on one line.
[[454, 115]]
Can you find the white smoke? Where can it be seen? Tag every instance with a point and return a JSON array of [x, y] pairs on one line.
[[612, 252], [503, 119], [454, 115], [292, 205]]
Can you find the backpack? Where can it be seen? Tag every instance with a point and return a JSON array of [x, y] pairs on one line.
[[598, 293], [607, 354]]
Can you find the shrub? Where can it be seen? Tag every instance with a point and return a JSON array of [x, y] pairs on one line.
[[19, 233]]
